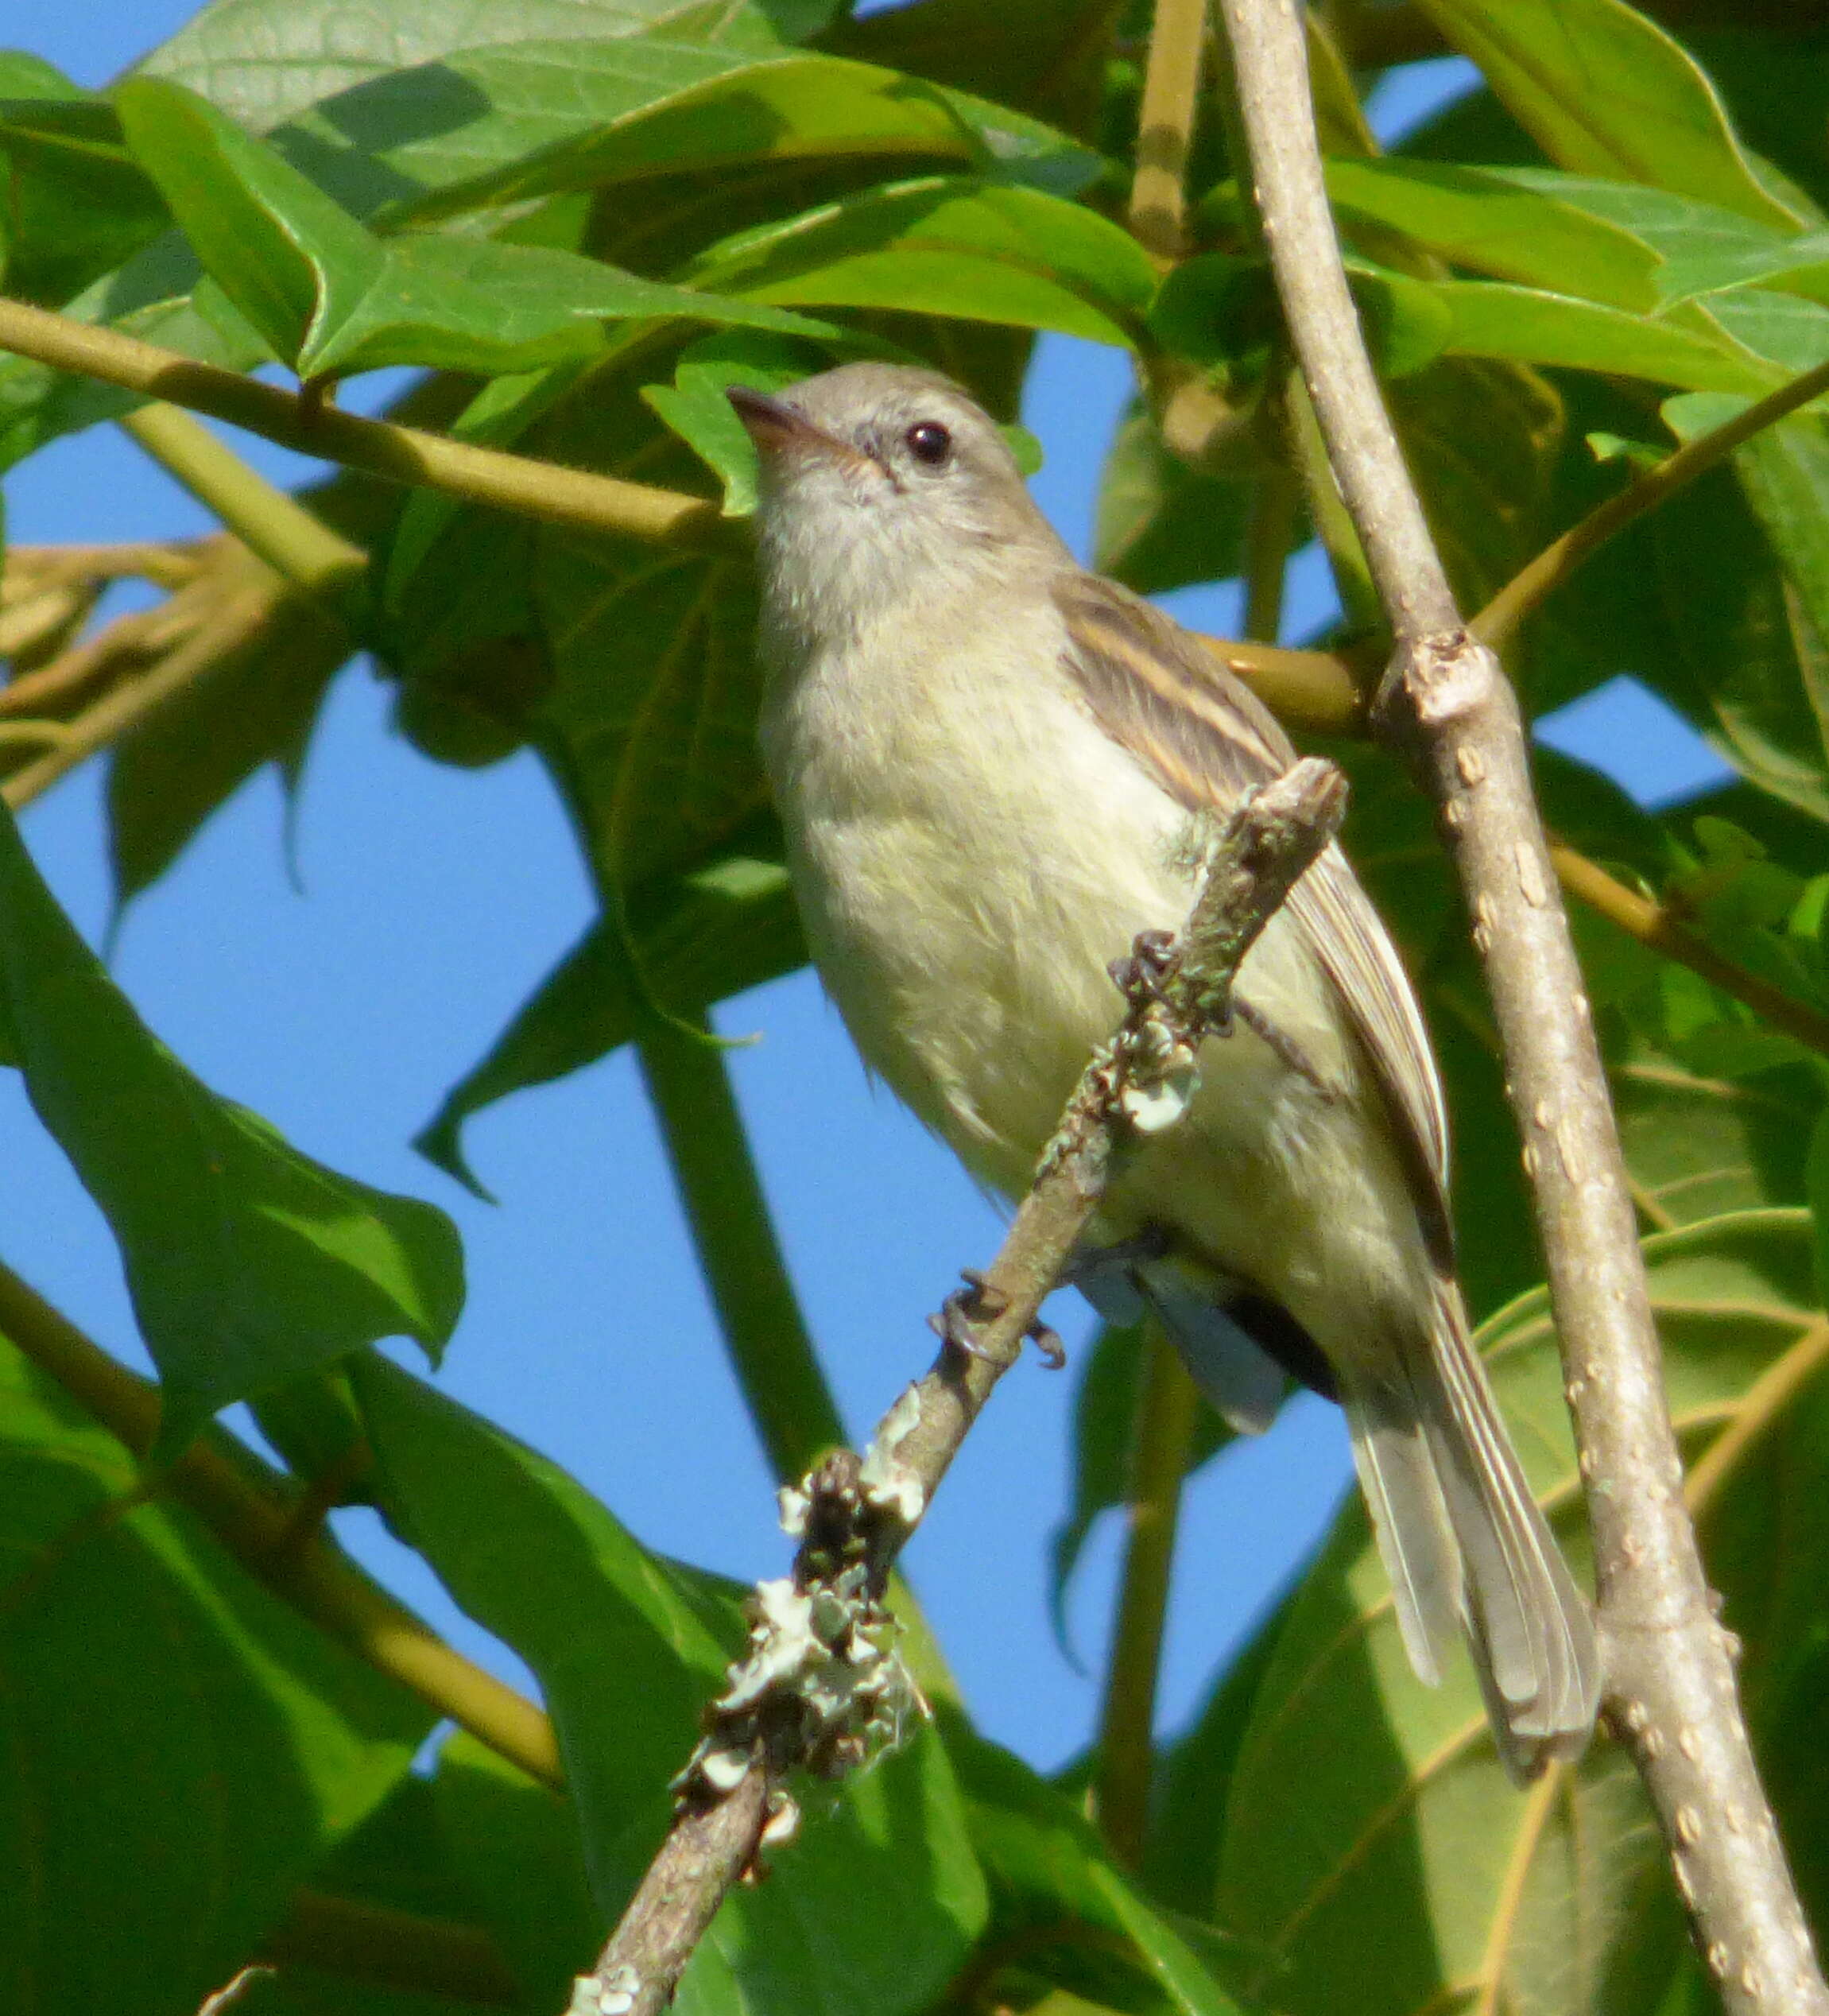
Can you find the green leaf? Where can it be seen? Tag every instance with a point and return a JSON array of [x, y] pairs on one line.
[[248, 1262], [1605, 92], [515, 1846], [1489, 223], [947, 245], [1161, 525], [1063, 1914], [292, 261], [471, 304], [178, 1749], [687, 941], [694, 405], [1371, 1840], [528, 119], [1488, 319], [1798, 265], [76, 205], [331, 299], [627, 1649], [261, 61]]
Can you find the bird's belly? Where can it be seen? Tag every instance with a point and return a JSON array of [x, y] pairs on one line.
[[965, 936]]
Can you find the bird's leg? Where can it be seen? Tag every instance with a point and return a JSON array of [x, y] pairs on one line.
[[978, 1302]]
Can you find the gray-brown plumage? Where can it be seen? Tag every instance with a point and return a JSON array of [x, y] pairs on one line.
[[987, 761]]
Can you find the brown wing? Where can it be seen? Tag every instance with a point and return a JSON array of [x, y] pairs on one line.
[[1208, 739]]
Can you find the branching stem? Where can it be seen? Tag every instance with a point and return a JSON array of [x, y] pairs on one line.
[[1670, 1680]]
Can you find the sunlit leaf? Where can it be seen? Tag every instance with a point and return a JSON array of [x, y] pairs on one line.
[[248, 1262]]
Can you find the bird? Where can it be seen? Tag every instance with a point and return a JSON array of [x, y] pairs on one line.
[[988, 762]]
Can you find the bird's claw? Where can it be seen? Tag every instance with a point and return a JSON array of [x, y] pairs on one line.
[[966, 1310], [1143, 972]]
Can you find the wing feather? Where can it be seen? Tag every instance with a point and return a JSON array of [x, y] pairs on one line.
[[1207, 740]]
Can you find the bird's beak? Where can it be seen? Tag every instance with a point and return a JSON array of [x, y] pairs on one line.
[[776, 427]]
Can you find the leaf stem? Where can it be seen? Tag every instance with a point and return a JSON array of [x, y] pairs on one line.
[[1166, 128], [298, 546], [1651, 924], [402, 454], [1533, 584], [1168, 1411], [255, 1525]]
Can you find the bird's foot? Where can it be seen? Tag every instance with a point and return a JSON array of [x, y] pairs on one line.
[[965, 1313]]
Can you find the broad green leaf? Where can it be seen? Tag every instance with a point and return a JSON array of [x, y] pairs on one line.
[[1481, 436], [332, 299], [627, 1649], [947, 245], [528, 119], [683, 943], [1605, 92], [1674, 226], [1489, 319], [263, 61], [178, 1748], [1161, 525], [469, 304], [1799, 265], [515, 1846], [1035, 55], [1371, 1841], [292, 261], [248, 1262], [76, 204], [1482, 220], [1063, 1916]]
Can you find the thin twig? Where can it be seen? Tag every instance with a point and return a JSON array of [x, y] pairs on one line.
[[317, 1578], [1533, 584], [776, 1714], [1165, 127], [1653, 925], [402, 454], [1669, 1672]]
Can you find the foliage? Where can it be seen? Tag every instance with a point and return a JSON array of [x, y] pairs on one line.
[[580, 220]]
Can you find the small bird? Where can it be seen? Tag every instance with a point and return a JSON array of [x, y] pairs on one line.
[[988, 762]]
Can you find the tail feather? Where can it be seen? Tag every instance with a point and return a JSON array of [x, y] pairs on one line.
[[1532, 1633], [1397, 1475]]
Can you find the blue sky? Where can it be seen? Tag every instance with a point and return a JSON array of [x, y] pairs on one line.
[[428, 903]]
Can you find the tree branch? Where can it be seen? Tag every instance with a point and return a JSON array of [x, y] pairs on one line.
[[402, 454], [1165, 127], [309, 1572], [856, 1517], [1669, 1671], [1533, 585], [297, 545]]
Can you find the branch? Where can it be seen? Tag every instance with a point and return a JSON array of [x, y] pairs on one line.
[[1653, 925], [299, 547], [1669, 1670], [1165, 127], [402, 454], [1168, 1413], [823, 1637], [1533, 585], [311, 1572]]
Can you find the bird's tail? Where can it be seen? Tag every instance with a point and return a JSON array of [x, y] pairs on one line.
[[1466, 1547]]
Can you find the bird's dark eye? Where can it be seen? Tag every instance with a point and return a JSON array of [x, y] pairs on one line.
[[929, 442]]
